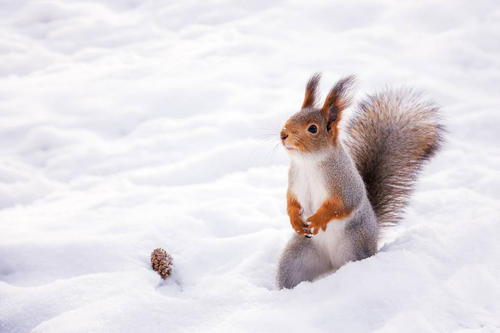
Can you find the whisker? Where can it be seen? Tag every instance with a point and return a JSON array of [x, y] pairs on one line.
[[266, 133], [271, 153]]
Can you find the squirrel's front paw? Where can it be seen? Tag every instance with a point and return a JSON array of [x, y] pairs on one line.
[[300, 227], [316, 223]]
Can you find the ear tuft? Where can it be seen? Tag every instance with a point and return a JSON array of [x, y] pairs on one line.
[[311, 91], [338, 99]]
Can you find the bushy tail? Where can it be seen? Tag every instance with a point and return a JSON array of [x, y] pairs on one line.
[[392, 134]]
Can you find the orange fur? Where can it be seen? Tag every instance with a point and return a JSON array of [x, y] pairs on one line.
[[331, 209], [293, 210]]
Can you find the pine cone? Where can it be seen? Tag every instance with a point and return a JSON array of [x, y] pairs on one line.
[[162, 262]]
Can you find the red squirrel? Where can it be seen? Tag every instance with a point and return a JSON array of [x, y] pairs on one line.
[[341, 193]]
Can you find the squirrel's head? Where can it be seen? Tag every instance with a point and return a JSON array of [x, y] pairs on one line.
[[314, 129]]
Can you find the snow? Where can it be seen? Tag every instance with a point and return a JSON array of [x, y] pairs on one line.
[[131, 125]]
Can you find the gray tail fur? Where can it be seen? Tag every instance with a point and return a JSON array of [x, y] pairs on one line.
[[390, 137]]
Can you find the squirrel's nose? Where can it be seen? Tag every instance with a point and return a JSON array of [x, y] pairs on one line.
[[283, 135]]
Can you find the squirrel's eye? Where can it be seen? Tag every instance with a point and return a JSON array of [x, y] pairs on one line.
[[313, 129]]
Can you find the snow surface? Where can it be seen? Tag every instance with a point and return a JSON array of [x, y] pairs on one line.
[[131, 125]]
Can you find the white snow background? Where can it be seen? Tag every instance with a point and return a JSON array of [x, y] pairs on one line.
[[131, 125]]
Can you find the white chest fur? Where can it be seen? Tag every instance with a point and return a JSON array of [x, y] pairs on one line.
[[308, 185]]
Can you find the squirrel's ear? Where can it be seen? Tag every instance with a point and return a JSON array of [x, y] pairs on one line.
[[311, 90], [337, 100]]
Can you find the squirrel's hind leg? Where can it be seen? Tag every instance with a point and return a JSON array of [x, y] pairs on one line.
[[300, 261]]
